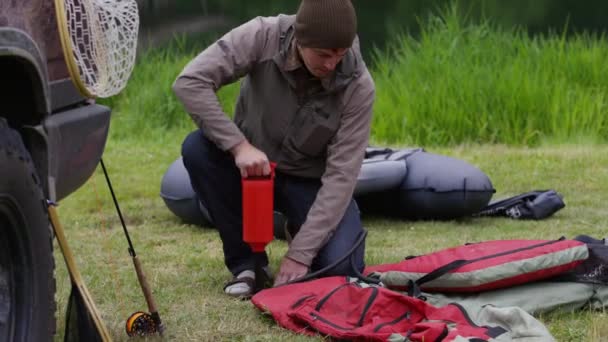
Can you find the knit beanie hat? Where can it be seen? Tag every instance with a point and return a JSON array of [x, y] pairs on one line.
[[326, 24]]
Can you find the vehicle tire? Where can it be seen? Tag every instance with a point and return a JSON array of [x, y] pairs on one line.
[[27, 282]]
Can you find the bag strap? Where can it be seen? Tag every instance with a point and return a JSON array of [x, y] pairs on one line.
[[413, 287]]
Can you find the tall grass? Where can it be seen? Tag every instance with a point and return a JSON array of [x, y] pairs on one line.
[[475, 82], [458, 82]]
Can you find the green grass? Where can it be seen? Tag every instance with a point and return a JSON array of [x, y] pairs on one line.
[[184, 263], [462, 82]]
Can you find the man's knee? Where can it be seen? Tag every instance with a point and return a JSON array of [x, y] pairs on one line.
[[352, 265], [344, 258], [191, 147], [195, 151], [347, 242]]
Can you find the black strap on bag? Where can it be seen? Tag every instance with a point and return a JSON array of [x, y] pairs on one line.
[[534, 205], [414, 286]]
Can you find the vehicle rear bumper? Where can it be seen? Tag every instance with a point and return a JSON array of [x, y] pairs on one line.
[[76, 140]]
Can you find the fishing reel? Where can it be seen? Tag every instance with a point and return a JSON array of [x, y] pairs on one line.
[[141, 324]]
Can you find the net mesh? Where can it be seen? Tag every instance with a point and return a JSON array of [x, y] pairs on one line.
[[103, 37]]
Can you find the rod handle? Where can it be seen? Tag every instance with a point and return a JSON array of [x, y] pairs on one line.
[[145, 287]]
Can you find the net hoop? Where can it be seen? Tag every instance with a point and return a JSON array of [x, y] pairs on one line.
[[99, 42]]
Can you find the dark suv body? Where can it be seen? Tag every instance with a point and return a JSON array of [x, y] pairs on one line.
[[51, 139]]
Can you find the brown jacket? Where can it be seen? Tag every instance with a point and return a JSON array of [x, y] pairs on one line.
[[319, 134]]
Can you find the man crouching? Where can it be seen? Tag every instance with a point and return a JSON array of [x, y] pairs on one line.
[[305, 103]]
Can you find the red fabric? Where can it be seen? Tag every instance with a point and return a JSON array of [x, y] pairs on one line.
[[334, 307], [278, 300], [511, 250]]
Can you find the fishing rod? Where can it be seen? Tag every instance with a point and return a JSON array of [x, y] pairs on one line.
[[139, 323]]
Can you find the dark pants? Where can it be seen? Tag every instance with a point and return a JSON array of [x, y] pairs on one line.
[[217, 181]]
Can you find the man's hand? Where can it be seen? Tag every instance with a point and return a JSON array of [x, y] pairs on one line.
[[290, 270], [250, 161]]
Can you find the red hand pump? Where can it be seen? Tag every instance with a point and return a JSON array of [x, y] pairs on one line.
[[258, 209]]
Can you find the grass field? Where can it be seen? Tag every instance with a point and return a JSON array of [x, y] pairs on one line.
[[529, 112], [184, 262]]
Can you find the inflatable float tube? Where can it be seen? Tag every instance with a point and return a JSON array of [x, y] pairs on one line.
[[178, 195], [407, 183], [180, 198], [434, 187]]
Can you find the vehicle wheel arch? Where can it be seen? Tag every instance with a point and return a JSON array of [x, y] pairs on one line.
[[21, 59]]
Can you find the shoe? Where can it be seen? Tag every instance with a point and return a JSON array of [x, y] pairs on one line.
[[243, 285]]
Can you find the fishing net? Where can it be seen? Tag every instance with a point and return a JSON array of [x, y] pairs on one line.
[[99, 40]]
